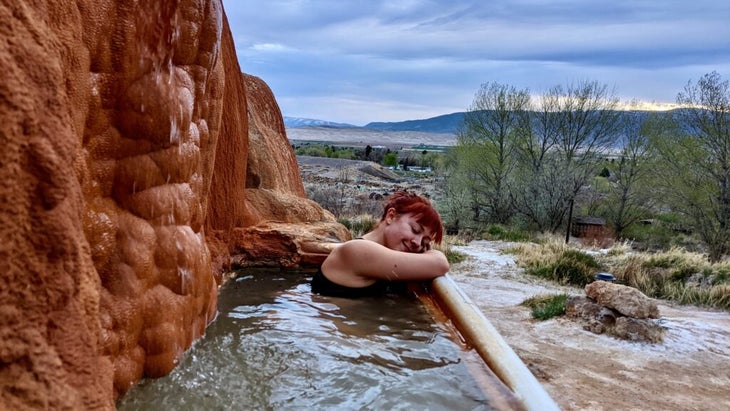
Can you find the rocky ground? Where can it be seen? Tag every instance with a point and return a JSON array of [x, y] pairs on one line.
[[690, 370], [360, 179]]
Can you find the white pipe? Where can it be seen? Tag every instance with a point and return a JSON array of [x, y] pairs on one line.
[[490, 345]]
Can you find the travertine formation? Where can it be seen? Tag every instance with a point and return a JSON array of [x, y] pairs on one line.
[[137, 163], [619, 310]]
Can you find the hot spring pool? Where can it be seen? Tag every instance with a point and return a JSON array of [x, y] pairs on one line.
[[275, 346]]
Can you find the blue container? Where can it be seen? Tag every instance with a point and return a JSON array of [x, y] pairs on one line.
[[605, 277]]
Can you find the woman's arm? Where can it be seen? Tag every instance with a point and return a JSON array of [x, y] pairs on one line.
[[371, 260]]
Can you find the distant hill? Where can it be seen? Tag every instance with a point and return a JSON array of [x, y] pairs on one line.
[[445, 124], [296, 122]]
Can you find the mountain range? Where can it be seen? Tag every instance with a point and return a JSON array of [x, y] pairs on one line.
[[444, 124]]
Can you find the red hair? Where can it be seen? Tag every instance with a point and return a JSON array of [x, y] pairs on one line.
[[404, 203]]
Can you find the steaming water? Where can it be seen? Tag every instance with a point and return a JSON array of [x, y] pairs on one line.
[[276, 346]]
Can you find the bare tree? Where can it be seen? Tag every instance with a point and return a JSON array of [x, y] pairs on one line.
[[695, 158], [569, 133], [538, 190], [629, 199], [488, 136]]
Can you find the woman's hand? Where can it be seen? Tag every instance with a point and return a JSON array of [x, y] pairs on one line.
[[425, 246]]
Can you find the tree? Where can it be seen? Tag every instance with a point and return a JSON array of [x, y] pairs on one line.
[[456, 206], [695, 155], [390, 159], [569, 134], [629, 199], [487, 140], [407, 162], [538, 190]]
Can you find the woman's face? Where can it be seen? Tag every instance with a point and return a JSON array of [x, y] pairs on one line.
[[404, 233]]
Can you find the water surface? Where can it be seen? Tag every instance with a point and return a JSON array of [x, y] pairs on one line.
[[275, 346]]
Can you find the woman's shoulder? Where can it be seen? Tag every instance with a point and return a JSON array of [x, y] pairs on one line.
[[360, 244], [360, 252]]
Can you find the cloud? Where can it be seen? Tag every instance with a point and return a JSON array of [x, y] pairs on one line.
[[404, 57], [268, 47]]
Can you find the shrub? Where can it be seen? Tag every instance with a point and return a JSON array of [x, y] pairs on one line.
[[546, 306], [452, 255], [619, 248], [359, 225], [675, 275], [682, 274], [722, 276], [498, 232], [649, 237], [569, 267]]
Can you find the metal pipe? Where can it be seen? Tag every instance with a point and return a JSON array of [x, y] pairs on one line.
[[490, 345]]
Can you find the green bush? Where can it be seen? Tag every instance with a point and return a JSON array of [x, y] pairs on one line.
[[547, 306], [454, 256], [669, 218], [498, 232], [649, 237], [682, 274], [722, 276], [358, 226], [571, 267]]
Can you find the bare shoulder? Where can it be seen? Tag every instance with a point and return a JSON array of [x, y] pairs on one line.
[[360, 249], [372, 260], [360, 244]]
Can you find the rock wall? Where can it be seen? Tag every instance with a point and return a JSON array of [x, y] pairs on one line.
[[138, 163]]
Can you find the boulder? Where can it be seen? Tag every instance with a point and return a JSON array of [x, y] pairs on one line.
[[621, 311], [594, 317], [627, 300], [637, 329]]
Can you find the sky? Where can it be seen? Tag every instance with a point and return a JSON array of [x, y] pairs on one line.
[[359, 61]]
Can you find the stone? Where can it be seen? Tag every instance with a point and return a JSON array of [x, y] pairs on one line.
[[594, 317], [638, 329], [627, 300]]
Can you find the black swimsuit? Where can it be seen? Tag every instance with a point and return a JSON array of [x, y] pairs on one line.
[[323, 285]]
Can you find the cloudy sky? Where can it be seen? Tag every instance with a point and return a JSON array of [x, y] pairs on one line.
[[357, 61]]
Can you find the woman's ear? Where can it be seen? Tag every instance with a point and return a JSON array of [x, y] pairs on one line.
[[390, 215]]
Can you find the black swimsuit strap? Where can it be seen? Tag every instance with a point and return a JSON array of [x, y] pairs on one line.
[[324, 286]]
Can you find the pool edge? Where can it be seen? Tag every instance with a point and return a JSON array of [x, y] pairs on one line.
[[490, 345]]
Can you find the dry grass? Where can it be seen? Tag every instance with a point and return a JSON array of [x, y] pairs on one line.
[[676, 275], [559, 262], [455, 240]]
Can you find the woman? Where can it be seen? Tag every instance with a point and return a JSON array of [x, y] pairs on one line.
[[397, 249]]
